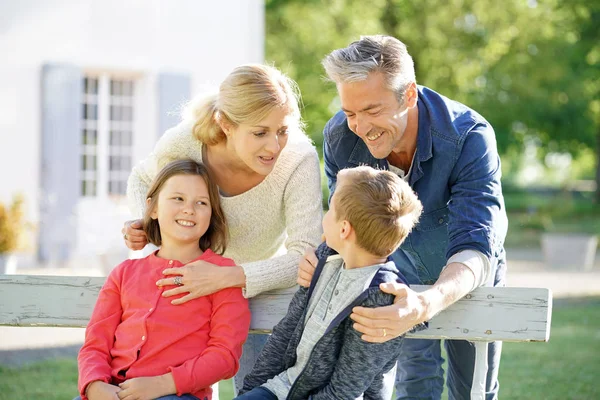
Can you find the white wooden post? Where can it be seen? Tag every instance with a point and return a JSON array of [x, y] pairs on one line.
[[479, 370]]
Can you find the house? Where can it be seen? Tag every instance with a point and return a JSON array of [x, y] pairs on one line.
[[86, 89]]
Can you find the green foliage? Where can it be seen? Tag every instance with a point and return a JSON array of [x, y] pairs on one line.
[[530, 214], [532, 68], [11, 225]]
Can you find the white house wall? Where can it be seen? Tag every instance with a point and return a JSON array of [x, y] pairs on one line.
[[201, 39]]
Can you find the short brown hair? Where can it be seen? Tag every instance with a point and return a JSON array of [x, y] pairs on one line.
[[217, 233], [381, 207]]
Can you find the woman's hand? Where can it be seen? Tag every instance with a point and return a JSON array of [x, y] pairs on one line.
[[381, 324], [200, 278], [307, 266], [133, 234]]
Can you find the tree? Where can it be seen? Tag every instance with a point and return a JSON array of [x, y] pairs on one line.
[[531, 68]]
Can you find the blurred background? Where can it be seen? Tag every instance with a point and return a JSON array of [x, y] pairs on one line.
[[87, 87]]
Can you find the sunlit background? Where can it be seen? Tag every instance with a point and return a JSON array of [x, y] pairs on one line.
[[87, 87]]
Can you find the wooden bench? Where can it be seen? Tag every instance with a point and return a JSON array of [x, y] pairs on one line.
[[485, 315]]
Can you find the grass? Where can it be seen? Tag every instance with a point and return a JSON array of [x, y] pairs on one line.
[[566, 368]]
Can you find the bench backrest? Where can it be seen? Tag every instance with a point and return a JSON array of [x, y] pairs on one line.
[[487, 314]]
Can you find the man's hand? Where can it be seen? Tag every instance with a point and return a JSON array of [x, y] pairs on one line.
[[99, 390], [147, 388], [307, 266], [133, 234], [381, 324]]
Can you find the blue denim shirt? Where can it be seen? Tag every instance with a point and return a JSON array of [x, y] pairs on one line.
[[456, 174]]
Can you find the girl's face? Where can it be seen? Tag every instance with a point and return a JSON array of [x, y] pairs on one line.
[[259, 145], [183, 209]]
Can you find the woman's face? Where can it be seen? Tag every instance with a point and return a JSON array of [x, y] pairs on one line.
[[259, 145]]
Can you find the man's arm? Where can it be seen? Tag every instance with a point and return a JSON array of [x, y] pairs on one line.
[[378, 325], [477, 223]]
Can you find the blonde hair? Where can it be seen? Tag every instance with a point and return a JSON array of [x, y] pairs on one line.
[[371, 54], [381, 207], [217, 234], [247, 95]]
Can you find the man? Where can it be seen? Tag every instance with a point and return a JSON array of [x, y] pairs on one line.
[[447, 153]]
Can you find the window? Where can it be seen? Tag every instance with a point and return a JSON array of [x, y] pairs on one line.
[[107, 135]]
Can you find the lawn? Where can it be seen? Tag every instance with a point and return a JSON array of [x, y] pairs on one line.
[[566, 368]]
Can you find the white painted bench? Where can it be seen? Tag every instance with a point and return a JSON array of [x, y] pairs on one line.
[[485, 315]]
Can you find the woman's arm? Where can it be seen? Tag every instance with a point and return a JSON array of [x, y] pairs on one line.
[[303, 212]]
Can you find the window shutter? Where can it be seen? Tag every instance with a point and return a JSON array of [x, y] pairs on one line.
[[173, 92], [60, 150]]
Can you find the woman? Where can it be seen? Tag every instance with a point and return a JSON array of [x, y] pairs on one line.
[[250, 137]]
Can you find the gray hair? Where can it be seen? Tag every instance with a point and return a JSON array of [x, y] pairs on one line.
[[370, 54]]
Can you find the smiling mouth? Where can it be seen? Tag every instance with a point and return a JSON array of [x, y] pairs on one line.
[[267, 159], [185, 223], [374, 136]]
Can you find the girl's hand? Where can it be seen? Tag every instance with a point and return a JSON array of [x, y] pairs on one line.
[[200, 278], [147, 388], [99, 390], [133, 234]]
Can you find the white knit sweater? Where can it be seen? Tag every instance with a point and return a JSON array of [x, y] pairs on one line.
[[270, 225]]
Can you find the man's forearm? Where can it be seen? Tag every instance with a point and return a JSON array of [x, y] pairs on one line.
[[455, 281]]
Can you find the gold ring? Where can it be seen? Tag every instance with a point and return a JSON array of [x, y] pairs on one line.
[[384, 333], [125, 236]]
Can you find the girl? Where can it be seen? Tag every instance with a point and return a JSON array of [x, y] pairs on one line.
[[138, 345]]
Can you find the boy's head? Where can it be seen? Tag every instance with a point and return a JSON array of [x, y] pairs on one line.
[[376, 209]]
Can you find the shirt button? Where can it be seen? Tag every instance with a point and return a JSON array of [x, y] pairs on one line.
[[329, 307], [336, 292], [143, 337], [441, 220], [170, 262], [150, 310]]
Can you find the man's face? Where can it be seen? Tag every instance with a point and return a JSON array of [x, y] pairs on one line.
[[374, 113]]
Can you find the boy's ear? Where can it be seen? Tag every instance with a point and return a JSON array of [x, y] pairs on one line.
[[153, 214], [345, 230]]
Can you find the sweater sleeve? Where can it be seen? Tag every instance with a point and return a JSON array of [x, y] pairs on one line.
[[94, 357], [375, 360], [229, 325], [303, 212], [177, 143]]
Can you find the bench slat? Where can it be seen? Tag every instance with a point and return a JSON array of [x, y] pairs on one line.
[[487, 314]]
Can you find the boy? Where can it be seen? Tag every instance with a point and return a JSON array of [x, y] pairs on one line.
[[314, 352]]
